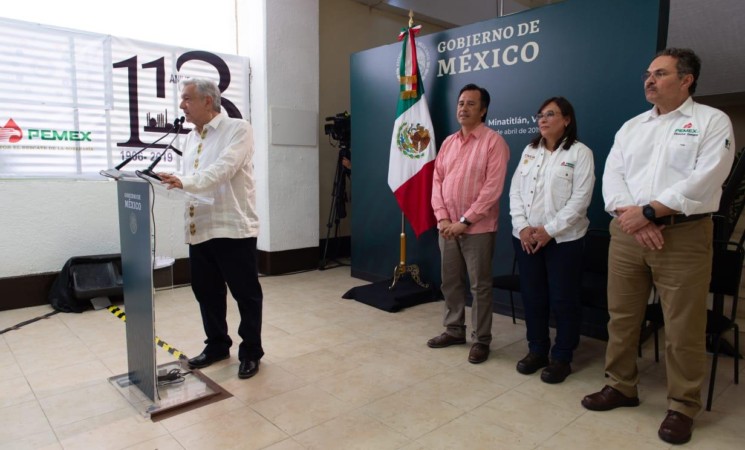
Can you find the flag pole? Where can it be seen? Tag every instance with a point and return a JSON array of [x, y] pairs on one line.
[[402, 268]]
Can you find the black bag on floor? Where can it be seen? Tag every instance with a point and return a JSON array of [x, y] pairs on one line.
[[83, 278]]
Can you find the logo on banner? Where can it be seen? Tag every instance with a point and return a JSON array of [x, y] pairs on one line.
[[11, 132], [413, 140], [422, 59]]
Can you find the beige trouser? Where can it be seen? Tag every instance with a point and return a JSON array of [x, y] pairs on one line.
[[681, 272], [468, 258]]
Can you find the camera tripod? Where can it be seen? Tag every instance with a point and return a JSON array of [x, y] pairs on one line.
[[338, 209]]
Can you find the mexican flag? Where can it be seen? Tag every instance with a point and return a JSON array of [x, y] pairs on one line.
[[412, 159]]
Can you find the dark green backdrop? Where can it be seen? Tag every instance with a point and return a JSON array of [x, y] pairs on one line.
[[592, 52]]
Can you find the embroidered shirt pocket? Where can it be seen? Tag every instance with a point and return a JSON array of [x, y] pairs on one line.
[[682, 153], [563, 179]]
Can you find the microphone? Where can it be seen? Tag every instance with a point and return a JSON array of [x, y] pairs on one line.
[[178, 125], [115, 172]]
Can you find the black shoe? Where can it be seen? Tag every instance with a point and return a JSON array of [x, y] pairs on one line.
[[556, 372], [204, 360], [248, 368], [531, 363]]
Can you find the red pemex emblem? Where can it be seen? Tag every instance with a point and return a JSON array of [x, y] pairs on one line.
[[688, 125], [11, 132]]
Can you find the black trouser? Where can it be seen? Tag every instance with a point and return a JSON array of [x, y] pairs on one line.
[[232, 262], [550, 283]]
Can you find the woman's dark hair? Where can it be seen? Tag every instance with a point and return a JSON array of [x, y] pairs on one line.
[[485, 97], [570, 133]]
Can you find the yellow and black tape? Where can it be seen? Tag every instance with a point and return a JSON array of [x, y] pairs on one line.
[[118, 312]]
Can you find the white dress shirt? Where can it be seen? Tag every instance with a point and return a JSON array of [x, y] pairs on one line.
[[679, 159], [224, 171], [553, 191]]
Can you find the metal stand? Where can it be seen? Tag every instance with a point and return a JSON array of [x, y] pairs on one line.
[[194, 387], [140, 384], [402, 268], [338, 208]]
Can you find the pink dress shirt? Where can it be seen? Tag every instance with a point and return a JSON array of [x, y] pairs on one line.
[[469, 178]]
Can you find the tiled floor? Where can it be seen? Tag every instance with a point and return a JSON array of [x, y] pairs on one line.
[[337, 375]]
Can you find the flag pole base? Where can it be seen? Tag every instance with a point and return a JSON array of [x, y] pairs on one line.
[[411, 269]]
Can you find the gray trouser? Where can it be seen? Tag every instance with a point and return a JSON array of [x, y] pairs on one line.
[[467, 259]]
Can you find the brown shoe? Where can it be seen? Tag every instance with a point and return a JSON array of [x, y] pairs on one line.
[[607, 399], [445, 340], [676, 428], [479, 353]]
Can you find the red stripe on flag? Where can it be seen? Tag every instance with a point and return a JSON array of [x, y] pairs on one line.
[[415, 199], [414, 62]]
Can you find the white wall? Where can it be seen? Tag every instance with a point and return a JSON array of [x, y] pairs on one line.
[[292, 72], [45, 222], [284, 77]]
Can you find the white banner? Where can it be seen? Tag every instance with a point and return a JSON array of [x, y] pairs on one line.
[[74, 103]]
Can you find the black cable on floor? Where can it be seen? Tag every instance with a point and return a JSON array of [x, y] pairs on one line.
[[18, 326], [174, 376]]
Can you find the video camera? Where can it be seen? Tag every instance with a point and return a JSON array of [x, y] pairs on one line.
[[340, 128]]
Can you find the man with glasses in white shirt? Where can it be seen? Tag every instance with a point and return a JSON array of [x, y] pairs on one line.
[[663, 179], [222, 236]]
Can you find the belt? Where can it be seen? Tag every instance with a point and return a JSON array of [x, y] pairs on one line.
[[680, 218]]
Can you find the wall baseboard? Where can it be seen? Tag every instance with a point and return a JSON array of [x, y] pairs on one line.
[[33, 290], [288, 261], [27, 290]]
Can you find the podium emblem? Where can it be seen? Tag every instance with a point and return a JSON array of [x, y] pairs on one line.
[[133, 223]]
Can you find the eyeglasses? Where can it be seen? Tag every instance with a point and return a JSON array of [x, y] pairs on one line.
[[657, 74], [547, 115]]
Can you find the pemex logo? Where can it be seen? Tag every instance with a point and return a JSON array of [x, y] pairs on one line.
[[11, 132], [686, 130], [412, 140]]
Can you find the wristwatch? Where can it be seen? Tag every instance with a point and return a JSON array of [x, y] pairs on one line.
[[464, 221], [649, 213]]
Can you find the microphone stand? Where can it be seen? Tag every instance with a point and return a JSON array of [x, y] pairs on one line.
[[178, 126], [149, 171], [116, 171]]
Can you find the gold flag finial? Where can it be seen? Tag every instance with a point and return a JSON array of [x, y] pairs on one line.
[[411, 18]]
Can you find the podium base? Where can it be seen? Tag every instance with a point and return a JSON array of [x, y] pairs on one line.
[[195, 390]]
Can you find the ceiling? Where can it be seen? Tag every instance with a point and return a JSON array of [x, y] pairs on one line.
[[450, 14], [712, 31]]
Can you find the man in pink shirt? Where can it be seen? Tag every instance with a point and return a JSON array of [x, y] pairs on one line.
[[470, 170]]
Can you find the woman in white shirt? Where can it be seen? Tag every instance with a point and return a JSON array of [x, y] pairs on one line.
[[549, 195]]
